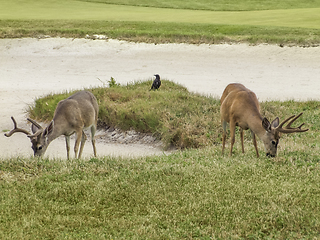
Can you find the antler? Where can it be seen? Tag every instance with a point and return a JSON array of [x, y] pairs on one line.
[[288, 128], [35, 123], [16, 129], [39, 131]]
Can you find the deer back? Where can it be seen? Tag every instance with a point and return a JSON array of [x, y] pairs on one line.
[[239, 103], [78, 111]]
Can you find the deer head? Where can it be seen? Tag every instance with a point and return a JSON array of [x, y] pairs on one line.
[[273, 132], [38, 138]]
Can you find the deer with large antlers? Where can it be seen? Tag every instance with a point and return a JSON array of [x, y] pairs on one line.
[[240, 107], [72, 115]]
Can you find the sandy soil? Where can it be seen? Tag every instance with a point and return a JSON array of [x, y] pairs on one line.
[[31, 68]]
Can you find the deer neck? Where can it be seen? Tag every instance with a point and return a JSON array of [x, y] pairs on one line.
[[255, 125], [53, 134], [51, 137]]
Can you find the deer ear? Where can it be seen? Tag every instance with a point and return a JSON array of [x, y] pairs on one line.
[[48, 129], [275, 123], [266, 124]]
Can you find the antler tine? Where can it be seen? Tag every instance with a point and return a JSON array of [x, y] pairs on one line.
[[16, 129], [282, 123], [14, 122], [288, 128], [295, 118], [35, 123]]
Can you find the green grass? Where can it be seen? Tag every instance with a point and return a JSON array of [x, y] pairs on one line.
[[161, 32], [77, 10], [284, 24], [194, 194], [216, 5]]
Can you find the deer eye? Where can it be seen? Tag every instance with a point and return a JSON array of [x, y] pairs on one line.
[[39, 148], [273, 143]]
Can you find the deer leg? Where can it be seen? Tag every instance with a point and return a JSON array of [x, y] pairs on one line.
[[241, 135], [232, 135], [68, 146], [83, 141], [254, 140], [93, 140], [223, 141], [224, 126], [77, 143]]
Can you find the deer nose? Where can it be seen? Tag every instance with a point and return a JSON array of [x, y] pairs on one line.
[[270, 155]]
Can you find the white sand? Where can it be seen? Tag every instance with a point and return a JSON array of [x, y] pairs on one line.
[[31, 68]]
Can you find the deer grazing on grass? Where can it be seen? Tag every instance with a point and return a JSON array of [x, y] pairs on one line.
[[72, 115], [240, 107]]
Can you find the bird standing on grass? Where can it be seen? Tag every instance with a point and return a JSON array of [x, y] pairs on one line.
[[156, 83]]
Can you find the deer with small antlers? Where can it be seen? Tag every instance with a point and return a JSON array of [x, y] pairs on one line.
[[240, 107], [72, 115]]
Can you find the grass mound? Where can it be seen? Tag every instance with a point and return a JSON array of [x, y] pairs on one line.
[[172, 114]]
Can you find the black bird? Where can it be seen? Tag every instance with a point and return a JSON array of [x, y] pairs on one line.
[[156, 83]]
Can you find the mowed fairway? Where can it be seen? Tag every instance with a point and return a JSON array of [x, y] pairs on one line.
[[79, 10]]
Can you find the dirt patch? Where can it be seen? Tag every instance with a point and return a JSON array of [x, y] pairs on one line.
[[112, 135], [31, 68]]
